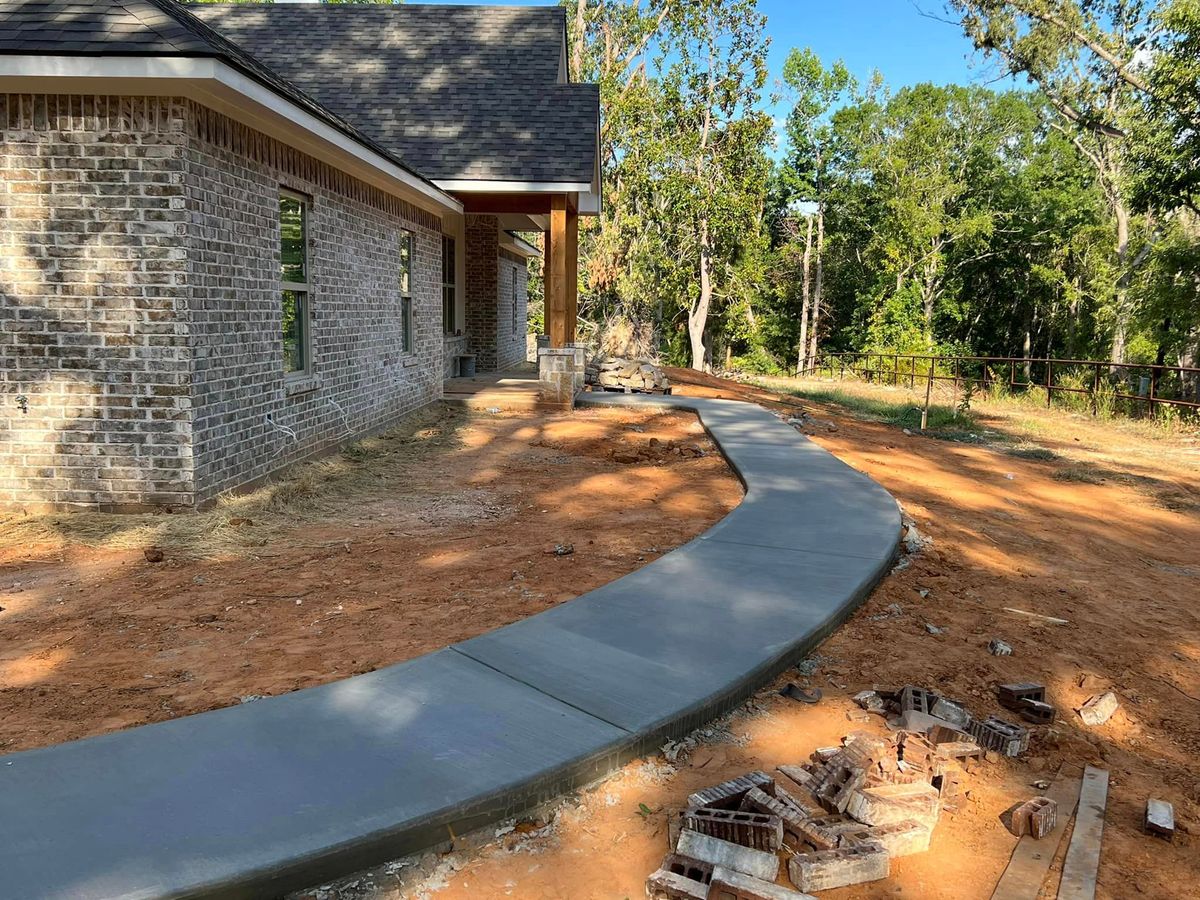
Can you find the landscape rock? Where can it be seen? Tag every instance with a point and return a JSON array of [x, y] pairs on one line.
[[1099, 709], [1160, 818]]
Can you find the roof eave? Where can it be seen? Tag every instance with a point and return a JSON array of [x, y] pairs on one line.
[[221, 86]]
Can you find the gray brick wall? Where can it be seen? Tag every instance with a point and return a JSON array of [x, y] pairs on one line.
[[492, 337], [94, 361], [360, 379], [510, 337], [140, 346]]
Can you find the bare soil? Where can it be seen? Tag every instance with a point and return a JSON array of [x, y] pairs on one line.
[[1008, 532], [432, 534]]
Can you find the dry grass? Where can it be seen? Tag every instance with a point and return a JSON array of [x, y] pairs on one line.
[[238, 523]]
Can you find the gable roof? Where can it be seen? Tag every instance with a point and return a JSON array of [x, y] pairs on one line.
[[463, 93], [153, 28]]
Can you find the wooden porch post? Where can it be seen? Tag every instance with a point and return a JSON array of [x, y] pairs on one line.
[[556, 268], [572, 254]]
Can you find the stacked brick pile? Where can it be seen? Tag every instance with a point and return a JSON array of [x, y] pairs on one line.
[[838, 819]]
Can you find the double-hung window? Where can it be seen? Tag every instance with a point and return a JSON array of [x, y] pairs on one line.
[[449, 287], [293, 255], [407, 251]]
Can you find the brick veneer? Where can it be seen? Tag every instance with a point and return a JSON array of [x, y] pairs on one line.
[[490, 273], [140, 347]]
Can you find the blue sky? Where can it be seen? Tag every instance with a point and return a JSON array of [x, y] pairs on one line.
[[889, 35]]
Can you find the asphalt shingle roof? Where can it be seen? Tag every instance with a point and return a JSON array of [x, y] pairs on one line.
[[151, 28], [459, 92]]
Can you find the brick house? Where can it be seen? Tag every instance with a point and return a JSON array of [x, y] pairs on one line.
[[233, 237]]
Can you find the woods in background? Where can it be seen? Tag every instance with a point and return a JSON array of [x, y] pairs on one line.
[[1059, 220]]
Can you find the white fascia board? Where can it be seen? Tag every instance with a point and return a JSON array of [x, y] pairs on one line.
[[471, 186], [522, 248], [219, 86]]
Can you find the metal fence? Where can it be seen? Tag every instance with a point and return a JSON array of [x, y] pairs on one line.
[[1144, 387]]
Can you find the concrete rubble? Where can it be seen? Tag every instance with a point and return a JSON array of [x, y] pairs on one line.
[[1099, 709], [1160, 818], [840, 818]]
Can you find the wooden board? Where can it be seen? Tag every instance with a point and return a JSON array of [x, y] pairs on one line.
[[1022, 879], [1083, 853]]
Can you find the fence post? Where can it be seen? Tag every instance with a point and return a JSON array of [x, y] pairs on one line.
[[928, 394], [1096, 392], [957, 361], [912, 373], [1049, 380]]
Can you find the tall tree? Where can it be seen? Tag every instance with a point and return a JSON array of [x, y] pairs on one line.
[[809, 171], [710, 157]]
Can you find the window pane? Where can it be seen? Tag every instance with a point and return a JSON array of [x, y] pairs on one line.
[[406, 248], [295, 343], [291, 244], [449, 325], [406, 324]]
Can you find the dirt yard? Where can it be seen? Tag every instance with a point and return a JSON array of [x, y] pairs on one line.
[[1010, 530], [436, 532]]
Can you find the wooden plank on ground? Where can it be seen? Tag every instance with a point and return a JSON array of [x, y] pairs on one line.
[[1083, 853], [1022, 879]]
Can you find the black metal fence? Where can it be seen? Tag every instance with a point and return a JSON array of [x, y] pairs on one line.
[[1140, 386]]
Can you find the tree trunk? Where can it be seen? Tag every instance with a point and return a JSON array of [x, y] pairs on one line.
[[1189, 358], [577, 50], [698, 314], [802, 353], [818, 286], [1121, 325]]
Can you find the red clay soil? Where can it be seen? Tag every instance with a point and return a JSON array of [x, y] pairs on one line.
[[1006, 534], [457, 542]]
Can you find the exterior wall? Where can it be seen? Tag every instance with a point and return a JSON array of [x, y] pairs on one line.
[[140, 336], [482, 289], [492, 336], [246, 410], [94, 360], [510, 338]]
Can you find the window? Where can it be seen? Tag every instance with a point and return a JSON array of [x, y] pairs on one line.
[[449, 292], [293, 256], [515, 304], [407, 252]]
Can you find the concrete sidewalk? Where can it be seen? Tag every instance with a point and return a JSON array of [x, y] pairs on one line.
[[290, 791]]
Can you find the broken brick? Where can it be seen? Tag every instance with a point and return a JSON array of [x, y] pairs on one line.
[[889, 803], [1036, 711], [1003, 737], [798, 774], [785, 796], [828, 869], [694, 869], [825, 832], [750, 829], [917, 699], [1011, 695], [898, 838], [729, 794], [960, 750], [1034, 817], [947, 780], [835, 785], [673, 886], [717, 852], [730, 885], [792, 818], [949, 711], [1160, 818]]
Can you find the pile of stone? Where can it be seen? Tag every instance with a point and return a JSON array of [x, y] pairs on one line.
[[631, 376], [838, 819]]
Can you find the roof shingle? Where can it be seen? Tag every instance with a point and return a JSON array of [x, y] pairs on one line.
[[460, 92]]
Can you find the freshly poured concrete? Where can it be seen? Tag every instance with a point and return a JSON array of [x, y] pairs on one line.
[[258, 799]]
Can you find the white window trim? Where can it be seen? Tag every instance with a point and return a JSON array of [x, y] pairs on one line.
[[304, 287]]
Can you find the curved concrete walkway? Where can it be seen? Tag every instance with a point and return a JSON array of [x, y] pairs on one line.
[[258, 799]]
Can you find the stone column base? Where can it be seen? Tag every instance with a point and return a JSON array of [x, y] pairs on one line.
[[561, 374]]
